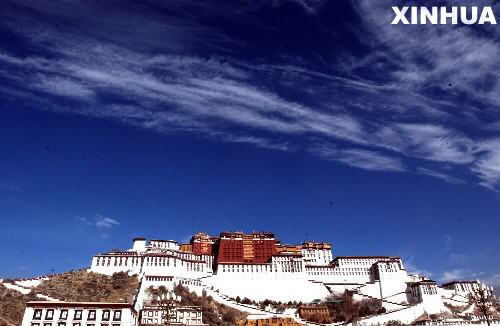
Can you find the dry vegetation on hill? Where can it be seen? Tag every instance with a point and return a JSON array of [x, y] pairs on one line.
[[214, 313], [88, 286], [71, 286], [12, 304]]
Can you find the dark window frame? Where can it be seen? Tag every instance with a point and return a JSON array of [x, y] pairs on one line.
[[65, 312], [39, 312], [106, 314], [91, 312], [115, 313], [51, 311], [78, 315]]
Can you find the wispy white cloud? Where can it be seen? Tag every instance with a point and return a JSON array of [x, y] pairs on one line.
[[419, 60], [360, 158], [232, 100], [420, 57], [106, 222], [99, 222], [428, 141], [310, 6], [414, 269], [64, 87], [456, 275], [487, 165], [257, 141], [493, 280], [439, 175]]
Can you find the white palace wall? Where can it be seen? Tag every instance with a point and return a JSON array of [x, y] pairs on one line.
[[151, 264], [278, 289], [286, 277]]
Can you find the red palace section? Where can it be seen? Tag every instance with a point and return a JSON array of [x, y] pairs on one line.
[[235, 247]]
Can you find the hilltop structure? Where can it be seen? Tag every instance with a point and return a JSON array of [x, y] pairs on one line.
[[258, 266]]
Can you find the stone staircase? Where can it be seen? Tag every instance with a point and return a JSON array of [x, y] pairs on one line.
[[390, 305], [221, 298], [364, 285], [257, 311], [406, 315]]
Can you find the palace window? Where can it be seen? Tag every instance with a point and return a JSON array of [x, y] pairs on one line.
[[35, 324], [49, 314], [47, 324], [117, 315], [61, 324], [37, 314], [91, 315], [105, 315], [64, 314], [78, 315]]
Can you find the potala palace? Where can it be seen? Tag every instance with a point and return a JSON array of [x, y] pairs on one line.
[[258, 267]]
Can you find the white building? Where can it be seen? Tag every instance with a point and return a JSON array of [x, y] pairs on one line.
[[152, 315], [316, 253], [61, 313], [160, 257], [302, 272]]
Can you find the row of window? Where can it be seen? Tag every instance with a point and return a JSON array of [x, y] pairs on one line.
[[191, 282], [49, 314], [182, 314], [73, 324], [318, 272], [249, 268], [361, 261], [465, 287], [429, 289], [119, 261]]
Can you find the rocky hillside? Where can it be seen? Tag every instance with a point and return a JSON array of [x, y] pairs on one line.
[[12, 304], [88, 286], [72, 286], [214, 313], [119, 287]]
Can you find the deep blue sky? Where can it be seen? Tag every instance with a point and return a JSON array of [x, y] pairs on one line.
[[313, 119]]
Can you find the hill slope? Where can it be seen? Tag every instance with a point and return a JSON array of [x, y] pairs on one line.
[[12, 304], [88, 286], [71, 286]]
